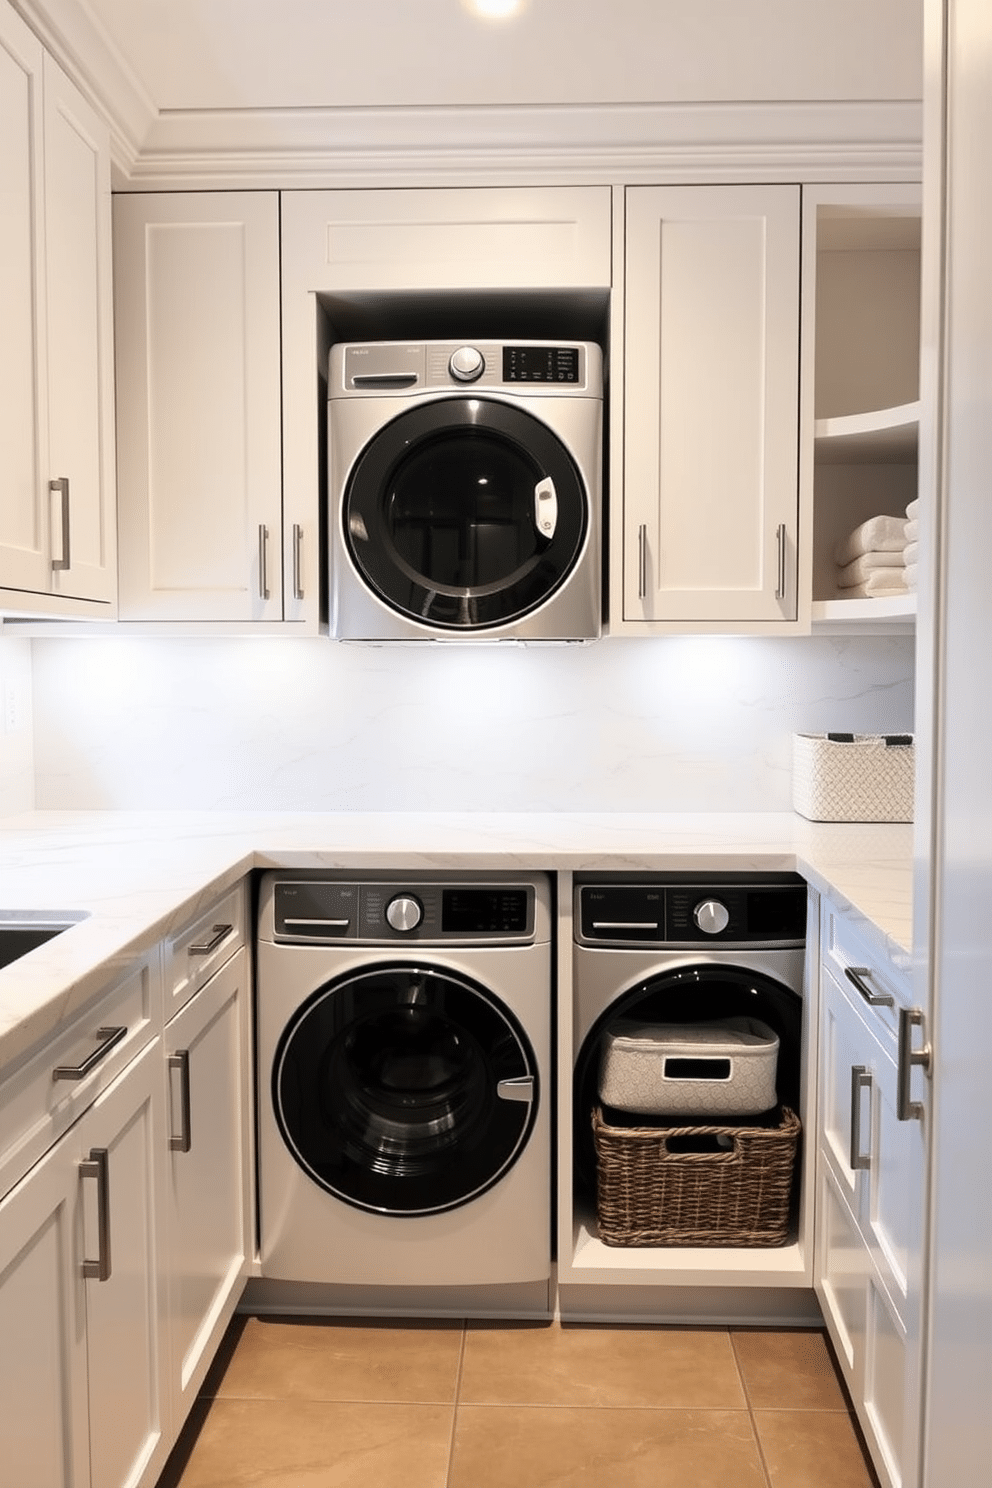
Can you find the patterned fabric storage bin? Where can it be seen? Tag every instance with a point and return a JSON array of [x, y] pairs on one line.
[[853, 777], [689, 1070]]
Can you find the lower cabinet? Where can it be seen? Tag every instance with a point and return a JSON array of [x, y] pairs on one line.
[[208, 1179], [81, 1315], [869, 1204], [125, 1233]]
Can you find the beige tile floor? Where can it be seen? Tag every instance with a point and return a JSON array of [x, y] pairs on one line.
[[303, 1403]]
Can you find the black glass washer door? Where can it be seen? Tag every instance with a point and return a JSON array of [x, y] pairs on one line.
[[465, 513], [387, 1089]]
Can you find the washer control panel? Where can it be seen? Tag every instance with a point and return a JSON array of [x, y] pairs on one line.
[[737, 910], [313, 911]]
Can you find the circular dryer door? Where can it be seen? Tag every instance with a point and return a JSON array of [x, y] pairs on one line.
[[465, 513], [700, 993], [404, 1090]]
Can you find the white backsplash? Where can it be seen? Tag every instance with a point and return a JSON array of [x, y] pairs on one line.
[[680, 724], [16, 735]]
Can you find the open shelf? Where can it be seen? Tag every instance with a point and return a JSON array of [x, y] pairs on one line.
[[891, 614], [664, 1265], [879, 437]]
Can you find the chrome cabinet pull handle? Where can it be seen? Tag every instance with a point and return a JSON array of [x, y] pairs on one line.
[[263, 561], [906, 1108], [108, 1038], [856, 974], [204, 947], [297, 561], [780, 538], [179, 1064], [860, 1080], [62, 486], [642, 561], [97, 1166]]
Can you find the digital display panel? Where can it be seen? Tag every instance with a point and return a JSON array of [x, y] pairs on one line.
[[541, 364], [484, 911]]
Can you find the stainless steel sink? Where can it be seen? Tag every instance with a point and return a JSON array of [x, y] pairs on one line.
[[21, 933]]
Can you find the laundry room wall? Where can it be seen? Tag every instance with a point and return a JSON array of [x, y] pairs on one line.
[[679, 724], [16, 729]]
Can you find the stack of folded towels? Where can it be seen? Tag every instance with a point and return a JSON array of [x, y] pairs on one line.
[[879, 557]]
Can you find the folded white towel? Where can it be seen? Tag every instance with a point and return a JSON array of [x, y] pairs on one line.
[[910, 575], [912, 510], [871, 590], [880, 534], [912, 530], [910, 553], [888, 564]]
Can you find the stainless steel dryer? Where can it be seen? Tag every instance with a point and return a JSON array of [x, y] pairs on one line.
[[465, 490], [404, 1045]]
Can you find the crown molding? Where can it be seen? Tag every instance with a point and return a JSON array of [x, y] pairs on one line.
[[461, 145]]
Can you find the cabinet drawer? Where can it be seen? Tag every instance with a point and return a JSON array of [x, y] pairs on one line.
[[203, 947], [41, 1099], [871, 978]]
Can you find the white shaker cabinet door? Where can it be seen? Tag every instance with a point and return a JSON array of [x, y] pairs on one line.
[[128, 1402], [80, 381], [43, 1432], [24, 561], [710, 427], [196, 283], [207, 1158]]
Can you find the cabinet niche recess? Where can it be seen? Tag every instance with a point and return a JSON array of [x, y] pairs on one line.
[[861, 338]]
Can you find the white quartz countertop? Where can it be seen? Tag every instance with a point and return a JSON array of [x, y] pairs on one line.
[[137, 877]]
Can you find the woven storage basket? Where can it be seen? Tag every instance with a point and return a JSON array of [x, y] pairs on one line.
[[861, 778], [649, 1195]]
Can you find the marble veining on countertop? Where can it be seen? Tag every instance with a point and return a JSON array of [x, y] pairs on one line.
[[139, 876]]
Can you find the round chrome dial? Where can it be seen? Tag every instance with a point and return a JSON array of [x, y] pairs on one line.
[[711, 916], [467, 364], [404, 912]]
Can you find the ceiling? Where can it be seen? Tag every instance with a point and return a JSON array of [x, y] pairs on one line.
[[201, 55]]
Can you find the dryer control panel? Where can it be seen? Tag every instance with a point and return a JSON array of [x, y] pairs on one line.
[[729, 910], [321, 911]]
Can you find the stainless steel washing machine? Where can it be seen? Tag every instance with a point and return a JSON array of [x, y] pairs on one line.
[[404, 1046], [465, 490], [684, 949]]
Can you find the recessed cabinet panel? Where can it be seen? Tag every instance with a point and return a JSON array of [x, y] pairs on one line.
[[198, 356], [711, 386], [124, 1339], [208, 1119], [43, 1355], [448, 239], [842, 1272], [23, 513], [80, 372], [884, 1382]]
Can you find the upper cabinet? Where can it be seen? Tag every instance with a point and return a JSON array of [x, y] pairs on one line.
[[202, 535], [705, 537], [57, 518], [860, 408]]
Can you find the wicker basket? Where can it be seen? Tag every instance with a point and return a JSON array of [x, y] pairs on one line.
[[649, 1195]]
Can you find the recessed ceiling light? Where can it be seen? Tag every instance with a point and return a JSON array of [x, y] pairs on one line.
[[495, 10]]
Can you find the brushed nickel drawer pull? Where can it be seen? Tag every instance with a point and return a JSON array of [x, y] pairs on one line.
[[97, 1166], [108, 1038], [179, 1063], [204, 947], [906, 1108], [856, 975], [860, 1080]]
